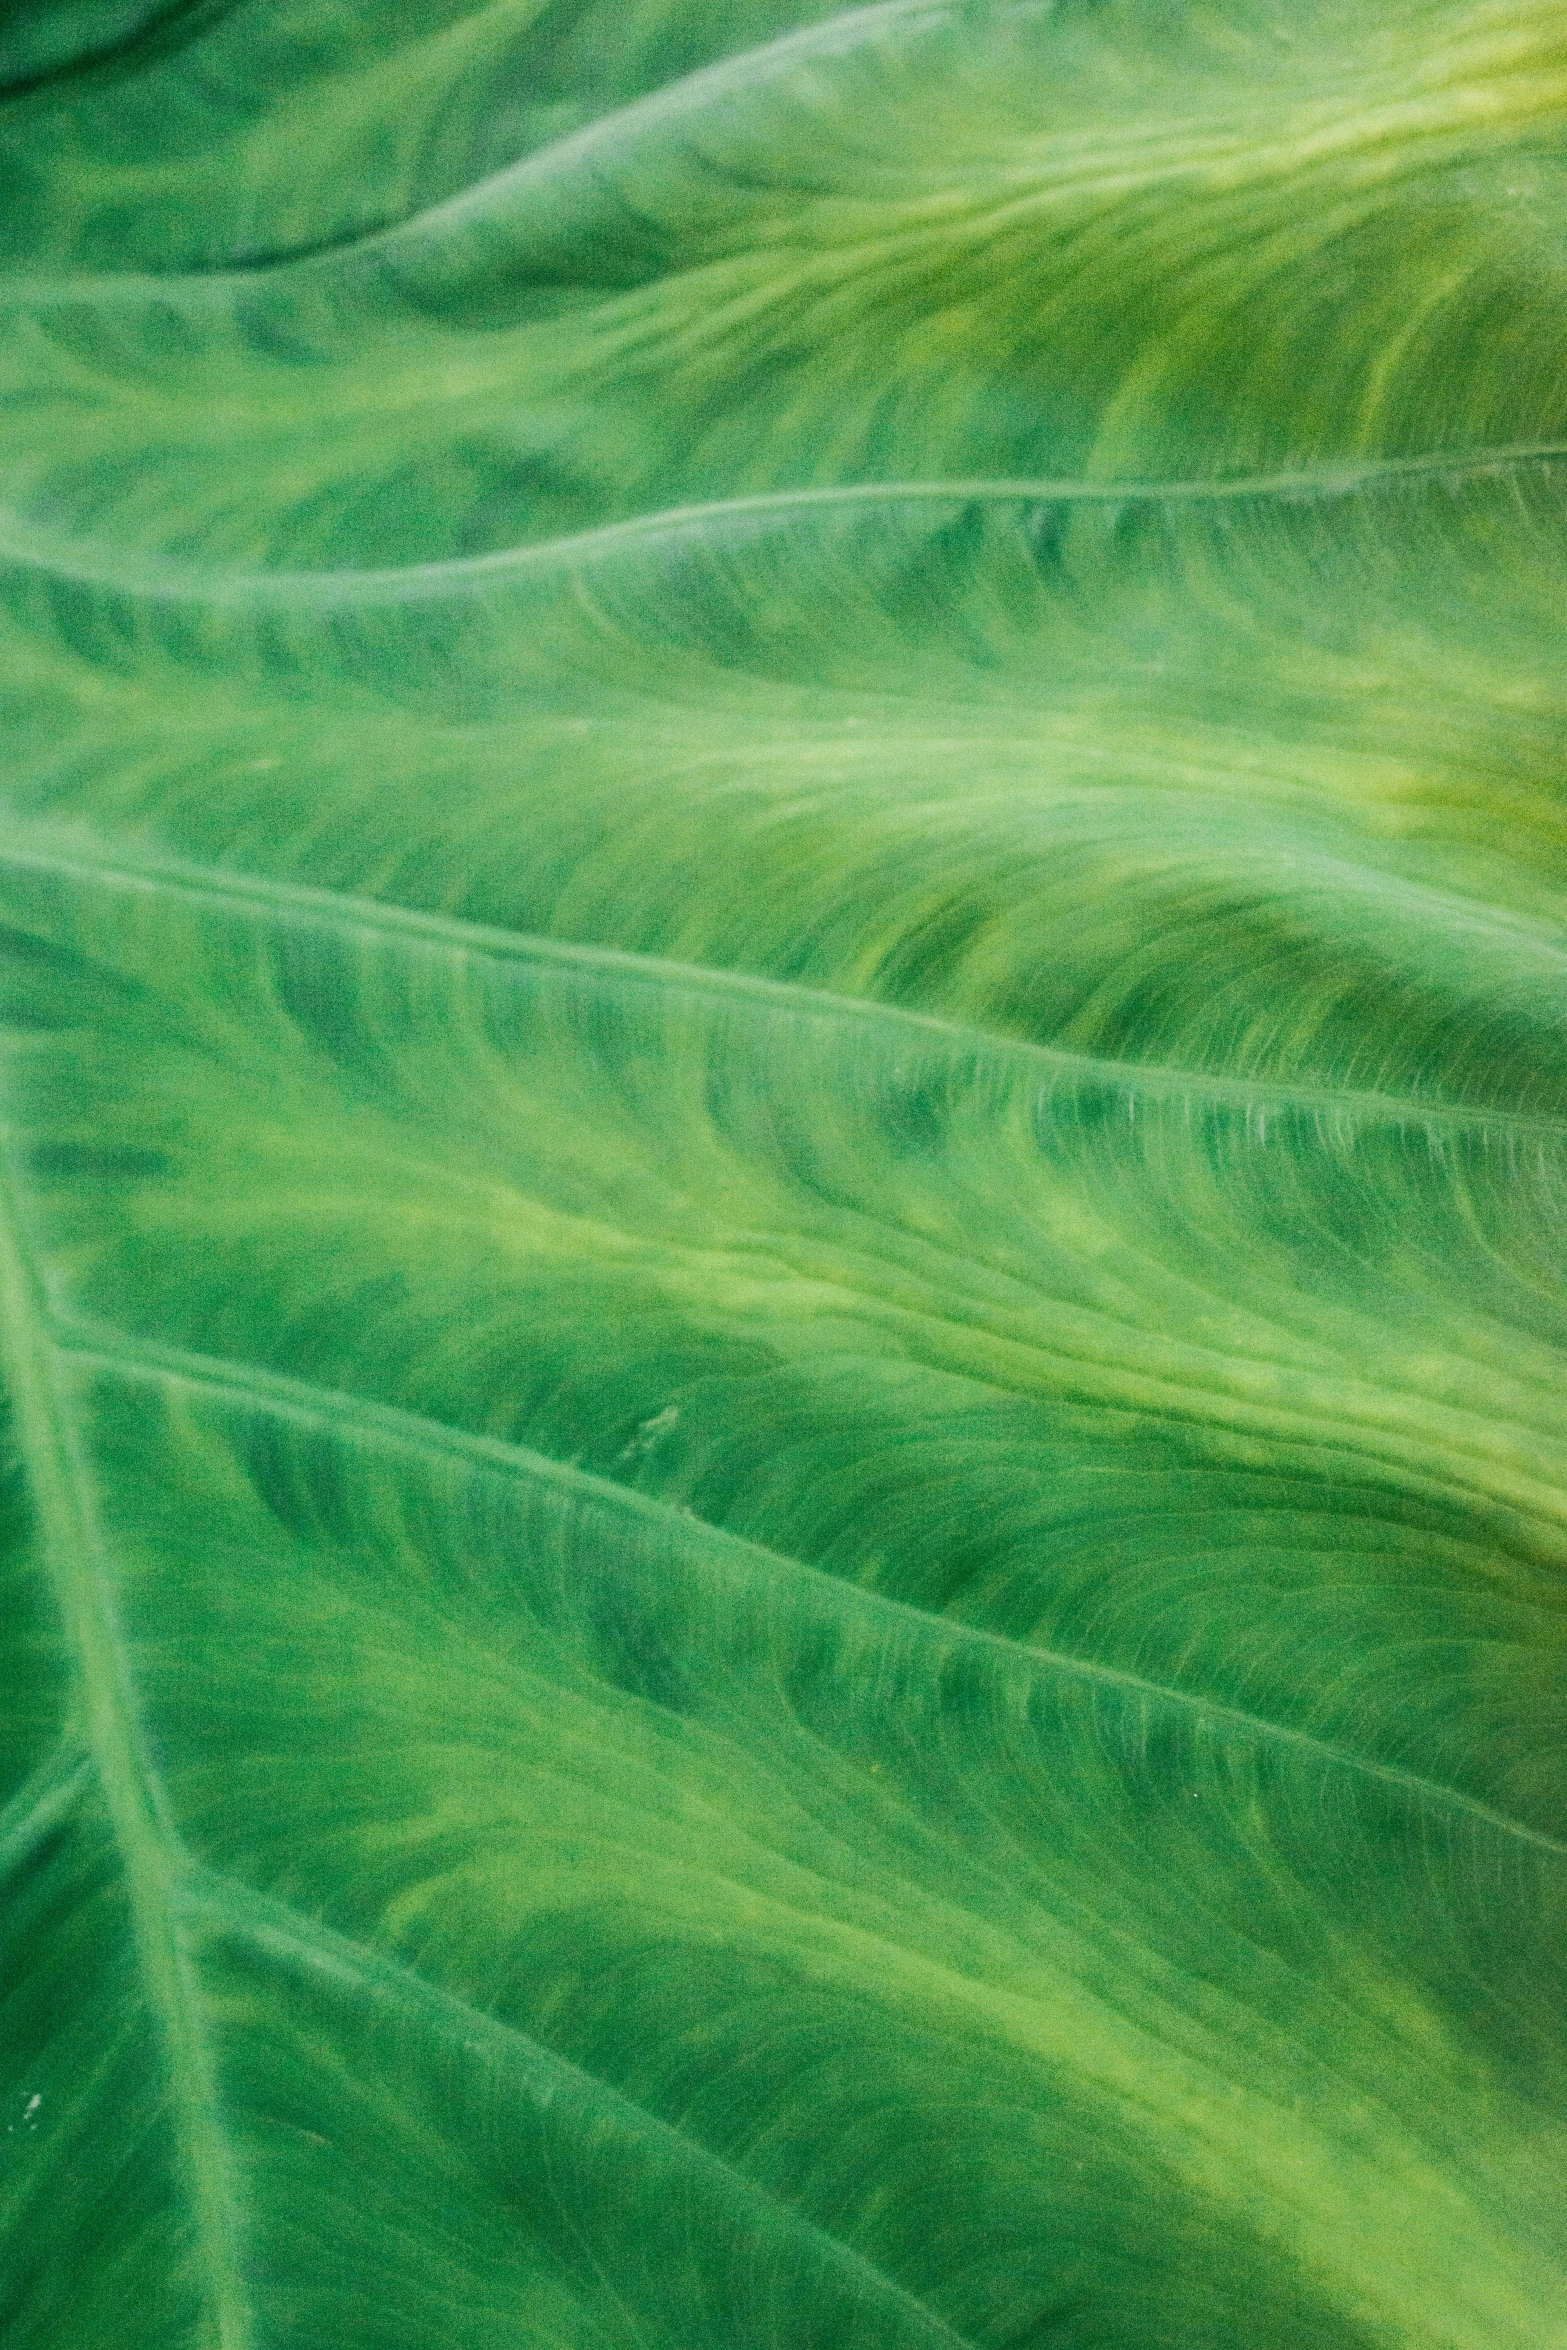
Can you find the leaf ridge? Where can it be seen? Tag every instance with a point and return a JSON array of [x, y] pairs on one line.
[[74, 1548], [329, 1408]]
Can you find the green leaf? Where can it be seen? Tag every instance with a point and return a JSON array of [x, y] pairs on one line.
[[783, 983]]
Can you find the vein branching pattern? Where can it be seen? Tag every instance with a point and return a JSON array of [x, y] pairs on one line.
[[783, 1166]]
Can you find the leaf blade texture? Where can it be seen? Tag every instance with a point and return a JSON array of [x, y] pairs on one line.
[[782, 966]]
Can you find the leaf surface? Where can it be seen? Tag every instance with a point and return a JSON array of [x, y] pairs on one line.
[[784, 1132]]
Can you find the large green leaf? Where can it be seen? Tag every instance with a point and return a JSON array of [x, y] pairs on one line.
[[784, 991]]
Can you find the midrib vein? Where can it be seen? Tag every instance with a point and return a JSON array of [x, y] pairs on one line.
[[73, 1545]]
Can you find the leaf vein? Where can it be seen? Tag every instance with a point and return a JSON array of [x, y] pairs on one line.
[[74, 1547], [330, 1409]]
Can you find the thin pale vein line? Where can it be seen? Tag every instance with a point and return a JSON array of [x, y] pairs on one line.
[[723, 81], [281, 1932], [338, 910], [73, 1545], [329, 1409], [39, 1805], [91, 563]]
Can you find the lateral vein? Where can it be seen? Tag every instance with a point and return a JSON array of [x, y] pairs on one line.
[[535, 2073], [98, 563], [40, 1804], [283, 901], [331, 1409]]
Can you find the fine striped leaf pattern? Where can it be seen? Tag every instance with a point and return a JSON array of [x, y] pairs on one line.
[[783, 1017]]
